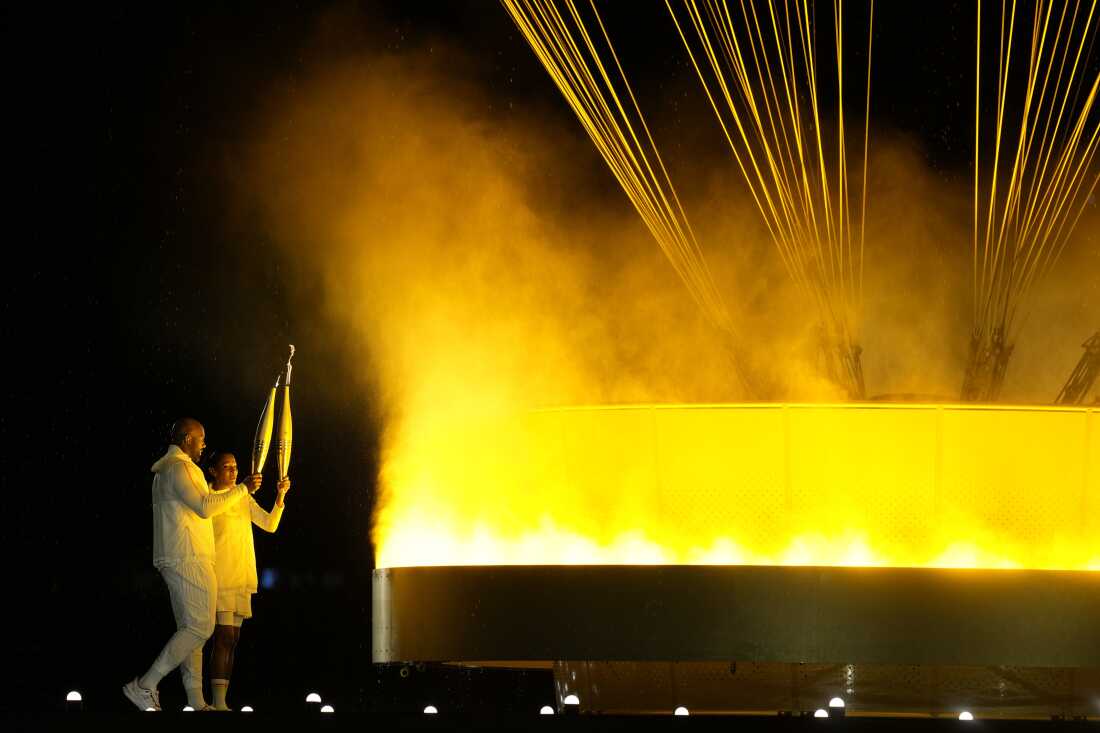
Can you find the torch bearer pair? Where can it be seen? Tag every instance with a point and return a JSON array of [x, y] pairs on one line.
[[267, 422]]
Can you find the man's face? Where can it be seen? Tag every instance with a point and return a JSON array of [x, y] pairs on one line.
[[225, 471], [195, 443]]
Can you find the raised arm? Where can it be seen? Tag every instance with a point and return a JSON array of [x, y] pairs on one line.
[[265, 520], [191, 489], [269, 521]]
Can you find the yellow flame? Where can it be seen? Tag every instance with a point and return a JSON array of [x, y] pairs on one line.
[[859, 485]]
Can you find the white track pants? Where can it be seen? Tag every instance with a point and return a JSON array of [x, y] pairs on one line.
[[194, 591]]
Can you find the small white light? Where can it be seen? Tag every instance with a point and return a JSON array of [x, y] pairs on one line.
[[327, 709], [572, 700], [680, 711], [430, 710], [546, 710], [73, 696], [966, 715], [313, 697], [821, 713], [246, 709], [836, 702], [150, 710], [188, 709]]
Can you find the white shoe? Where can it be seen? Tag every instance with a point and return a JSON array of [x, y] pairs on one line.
[[138, 695]]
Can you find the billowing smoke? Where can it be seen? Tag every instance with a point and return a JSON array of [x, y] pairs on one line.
[[490, 264]]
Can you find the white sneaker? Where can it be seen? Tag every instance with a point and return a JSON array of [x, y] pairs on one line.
[[138, 695]]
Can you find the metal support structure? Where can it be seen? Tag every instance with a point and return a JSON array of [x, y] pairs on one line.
[[852, 370], [1083, 377], [841, 362], [986, 366]]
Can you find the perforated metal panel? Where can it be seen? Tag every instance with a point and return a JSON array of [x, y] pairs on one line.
[[705, 457], [854, 484]]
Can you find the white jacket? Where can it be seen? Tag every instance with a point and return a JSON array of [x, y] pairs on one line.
[[235, 556], [182, 508]]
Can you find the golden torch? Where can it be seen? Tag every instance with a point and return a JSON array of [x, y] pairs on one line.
[[286, 425], [262, 442]]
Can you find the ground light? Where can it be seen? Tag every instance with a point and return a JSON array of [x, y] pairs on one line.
[[327, 709], [966, 715], [546, 710], [430, 710], [836, 707], [150, 710], [313, 702], [680, 711], [188, 709], [246, 709], [821, 713], [571, 700], [313, 697], [74, 701]]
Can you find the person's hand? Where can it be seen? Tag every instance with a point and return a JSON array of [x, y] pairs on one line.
[[253, 482], [283, 486]]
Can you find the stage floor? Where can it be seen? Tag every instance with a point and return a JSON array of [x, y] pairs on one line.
[[135, 721]]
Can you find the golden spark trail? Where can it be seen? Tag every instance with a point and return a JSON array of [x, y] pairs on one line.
[[806, 206], [866, 140], [586, 70], [977, 127], [1031, 214]]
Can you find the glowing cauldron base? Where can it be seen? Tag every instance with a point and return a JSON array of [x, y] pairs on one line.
[[910, 485], [1017, 488]]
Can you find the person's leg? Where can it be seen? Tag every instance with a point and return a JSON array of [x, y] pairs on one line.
[[238, 624], [191, 673], [221, 658], [192, 589], [202, 614]]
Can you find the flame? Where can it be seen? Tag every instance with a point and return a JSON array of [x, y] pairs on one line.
[[949, 486]]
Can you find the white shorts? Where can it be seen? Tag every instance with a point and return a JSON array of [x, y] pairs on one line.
[[228, 618], [234, 603]]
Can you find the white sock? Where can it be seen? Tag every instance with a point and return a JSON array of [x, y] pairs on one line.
[[218, 689], [195, 698]]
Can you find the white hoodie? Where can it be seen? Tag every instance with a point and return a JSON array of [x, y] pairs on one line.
[[182, 507]]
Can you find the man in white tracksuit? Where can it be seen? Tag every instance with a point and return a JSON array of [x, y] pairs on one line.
[[183, 552]]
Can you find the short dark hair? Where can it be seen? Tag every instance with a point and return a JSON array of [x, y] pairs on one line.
[[213, 458]]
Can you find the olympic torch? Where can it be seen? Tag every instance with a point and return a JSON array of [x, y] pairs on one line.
[[262, 442], [286, 425]]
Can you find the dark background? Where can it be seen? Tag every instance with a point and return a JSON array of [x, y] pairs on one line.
[[133, 297]]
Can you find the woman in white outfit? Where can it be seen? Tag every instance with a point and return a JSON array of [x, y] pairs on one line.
[[235, 567]]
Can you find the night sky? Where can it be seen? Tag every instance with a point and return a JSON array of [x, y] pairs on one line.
[[135, 295]]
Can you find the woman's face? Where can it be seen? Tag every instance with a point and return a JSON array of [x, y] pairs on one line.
[[225, 471]]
